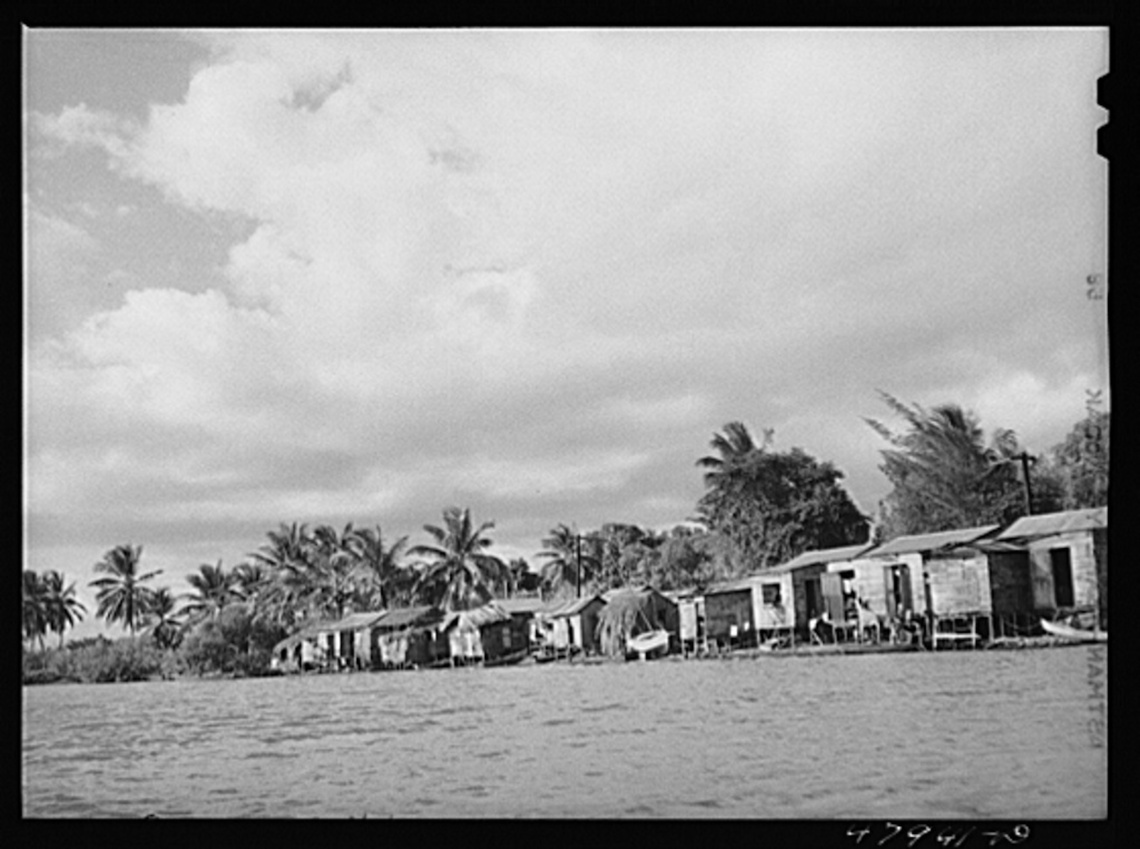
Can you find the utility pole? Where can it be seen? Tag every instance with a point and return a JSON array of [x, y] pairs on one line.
[[1025, 458]]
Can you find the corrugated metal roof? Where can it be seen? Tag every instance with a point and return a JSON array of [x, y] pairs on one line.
[[488, 614], [1048, 524], [930, 542], [572, 607], [516, 606], [353, 621], [822, 555], [403, 617], [741, 584], [645, 590], [314, 629]]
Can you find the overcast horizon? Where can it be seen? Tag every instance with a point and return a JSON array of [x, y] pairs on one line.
[[333, 276]]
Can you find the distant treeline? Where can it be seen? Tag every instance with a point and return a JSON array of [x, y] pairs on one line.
[[760, 507]]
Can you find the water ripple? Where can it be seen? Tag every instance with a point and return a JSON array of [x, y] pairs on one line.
[[956, 734]]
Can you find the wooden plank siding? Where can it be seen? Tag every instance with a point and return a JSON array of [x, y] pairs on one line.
[[1083, 565], [870, 582], [1100, 554], [959, 584], [800, 579], [726, 611], [773, 602]]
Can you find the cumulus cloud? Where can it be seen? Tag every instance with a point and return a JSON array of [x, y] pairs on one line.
[[540, 267]]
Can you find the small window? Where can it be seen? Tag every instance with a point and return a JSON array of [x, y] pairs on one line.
[[771, 594], [506, 637]]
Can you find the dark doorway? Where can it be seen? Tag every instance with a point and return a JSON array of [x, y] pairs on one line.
[[813, 594], [898, 589], [1062, 576]]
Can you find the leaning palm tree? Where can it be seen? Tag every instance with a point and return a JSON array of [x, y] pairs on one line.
[[214, 589], [35, 612], [458, 573], [122, 597], [62, 607], [943, 473], [564, 554]]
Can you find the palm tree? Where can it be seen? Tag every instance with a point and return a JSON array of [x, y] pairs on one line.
[[726, 477], [286, 558], [562, 554], [214, 588], [122, 596], [62, 607], [732, 446], [35, 613], [333, 566], [459, 571], [251, 579], [380, 566], [944, 474], [162, 621]]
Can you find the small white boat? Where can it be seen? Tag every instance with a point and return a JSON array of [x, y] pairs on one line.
[[651, 642], [1067, 632]]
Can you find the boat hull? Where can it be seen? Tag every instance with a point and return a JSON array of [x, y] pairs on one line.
[[650, 644], [1066, 632]]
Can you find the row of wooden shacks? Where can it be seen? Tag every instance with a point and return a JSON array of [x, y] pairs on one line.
[[497, 632], [961, 586], [968, 585]]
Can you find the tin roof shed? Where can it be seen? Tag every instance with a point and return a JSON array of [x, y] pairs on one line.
[[823, 555], [931, 542], [1049, 524], [406, 617]]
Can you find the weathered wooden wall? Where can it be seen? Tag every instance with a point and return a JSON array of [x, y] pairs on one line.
[[1100, 554], [767, 616], [722, 610], [800, 577], [959, 585], [687, 616], [1082, 559], [1011, 586], [871, 583]]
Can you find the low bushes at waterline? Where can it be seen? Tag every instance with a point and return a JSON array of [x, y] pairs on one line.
[[234, 644], [100, 660]]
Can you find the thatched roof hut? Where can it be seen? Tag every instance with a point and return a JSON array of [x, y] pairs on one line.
[[630, 612]]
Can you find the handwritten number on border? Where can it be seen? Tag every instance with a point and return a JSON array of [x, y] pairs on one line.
[[914, 838], [897, 829], [946, 836]]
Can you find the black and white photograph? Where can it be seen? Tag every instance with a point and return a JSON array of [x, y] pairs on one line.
[[567, 423]]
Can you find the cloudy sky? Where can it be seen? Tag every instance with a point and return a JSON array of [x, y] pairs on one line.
[[361, 276]]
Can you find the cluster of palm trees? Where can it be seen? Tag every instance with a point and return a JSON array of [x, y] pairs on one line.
[[49, 604], [300, 575]]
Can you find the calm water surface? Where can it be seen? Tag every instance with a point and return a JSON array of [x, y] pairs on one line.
[[953, 734]]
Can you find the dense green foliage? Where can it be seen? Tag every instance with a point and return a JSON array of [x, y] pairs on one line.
[[123, 595], [773, 505], [235, 642], [760, 507], [945, 475], [1079, 464], [98, 661], [49, 604], [458, 573]]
